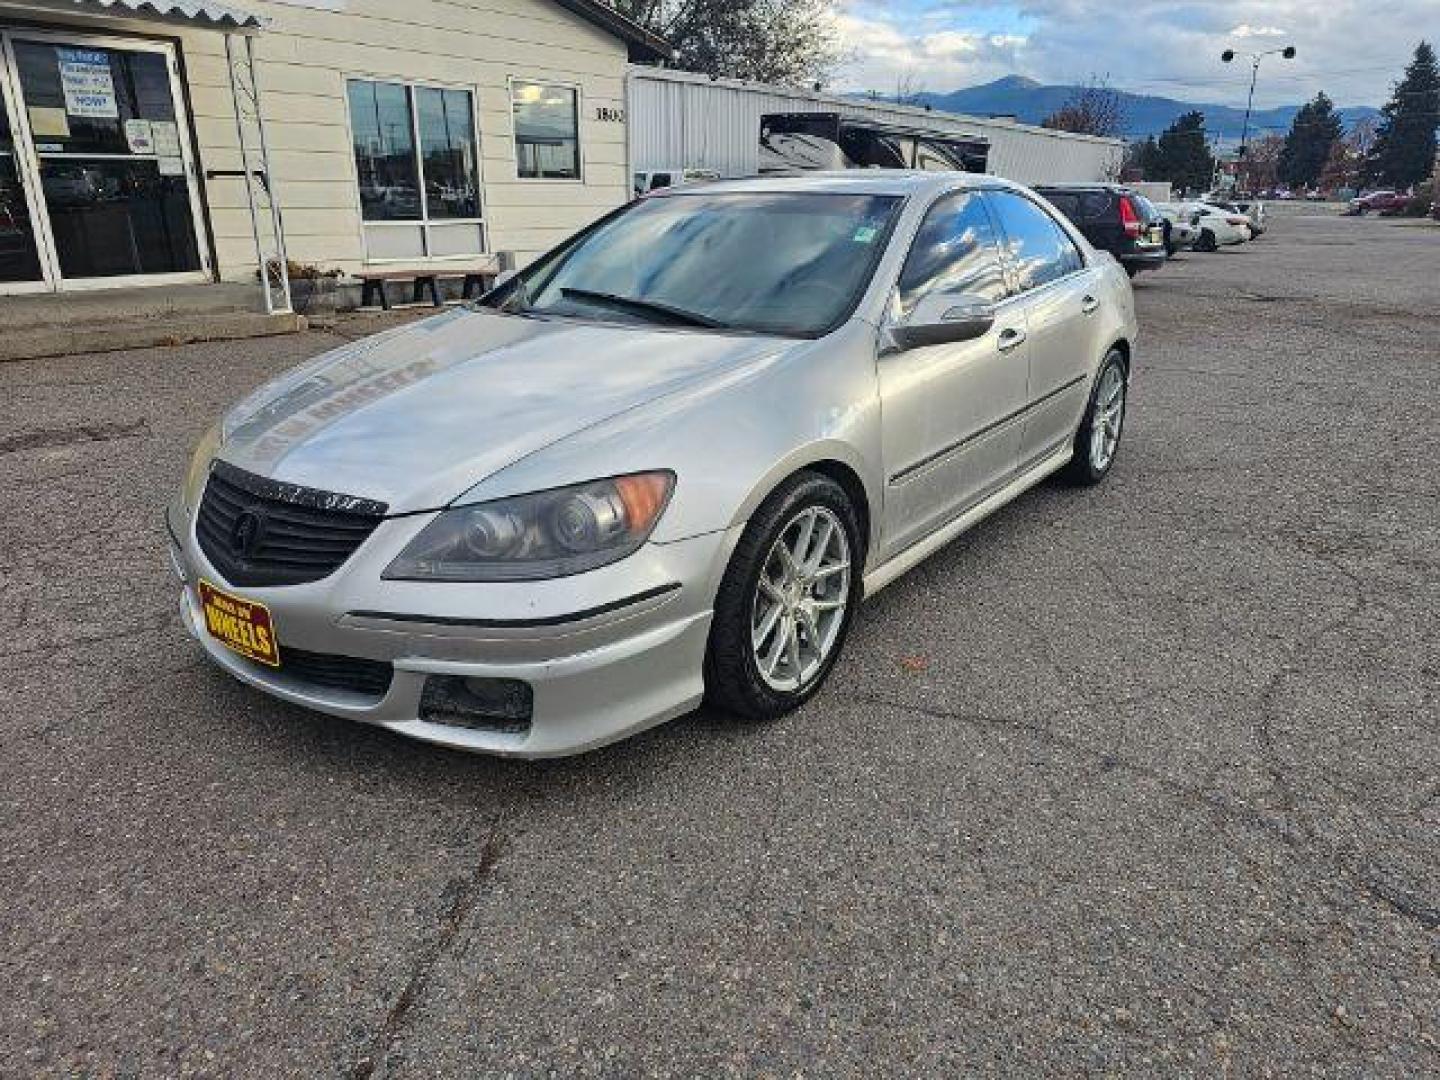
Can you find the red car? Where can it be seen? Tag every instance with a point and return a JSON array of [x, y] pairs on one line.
[[1382, 202]]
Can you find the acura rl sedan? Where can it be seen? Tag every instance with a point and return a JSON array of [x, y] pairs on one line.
[[662, 464]]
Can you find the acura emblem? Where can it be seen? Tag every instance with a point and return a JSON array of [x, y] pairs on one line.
[[246, 533]]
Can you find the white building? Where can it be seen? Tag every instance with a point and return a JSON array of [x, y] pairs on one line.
[[134, 134], [678, 119]]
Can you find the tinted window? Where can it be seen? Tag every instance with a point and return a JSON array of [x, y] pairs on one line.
[[769, 262], [1067, 202], [1038, 248], [1096, 204], [954, 251]]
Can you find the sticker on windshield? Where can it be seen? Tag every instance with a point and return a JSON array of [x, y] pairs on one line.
[[865, 234]]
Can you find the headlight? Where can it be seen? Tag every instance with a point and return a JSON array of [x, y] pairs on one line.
[[200, 465], [547, 534]]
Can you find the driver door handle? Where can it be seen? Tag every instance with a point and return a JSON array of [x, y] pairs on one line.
[[1089, 305], [1010, 339]]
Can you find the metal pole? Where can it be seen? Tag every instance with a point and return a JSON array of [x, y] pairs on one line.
[[1249, 103], [276, 221], [245, 175]]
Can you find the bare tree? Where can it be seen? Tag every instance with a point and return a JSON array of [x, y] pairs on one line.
[[1093, 109], [1259, 169], [792, 42]]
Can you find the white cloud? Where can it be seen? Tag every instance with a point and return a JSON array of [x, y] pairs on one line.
[[1342, 48]]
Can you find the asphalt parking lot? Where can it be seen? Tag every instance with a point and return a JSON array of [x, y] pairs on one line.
[[1140, 780]]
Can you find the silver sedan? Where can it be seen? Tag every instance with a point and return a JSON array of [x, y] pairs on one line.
[[662, 464]]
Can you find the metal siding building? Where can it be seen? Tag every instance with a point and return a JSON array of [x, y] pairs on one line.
[[678, 119]]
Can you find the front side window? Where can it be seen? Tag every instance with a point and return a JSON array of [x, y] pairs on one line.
[[778, 263], [417, 164], [954, 251], [547, 131], [1038, 249]]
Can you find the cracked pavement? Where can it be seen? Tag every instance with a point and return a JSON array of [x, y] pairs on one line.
[[1131, 781]]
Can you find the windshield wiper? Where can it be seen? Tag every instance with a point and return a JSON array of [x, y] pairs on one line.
[[645, 307]]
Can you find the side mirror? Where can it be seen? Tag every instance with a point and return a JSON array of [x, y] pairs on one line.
[[944, 318]]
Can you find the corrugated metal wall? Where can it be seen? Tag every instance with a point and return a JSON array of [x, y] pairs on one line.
[[678, 119]]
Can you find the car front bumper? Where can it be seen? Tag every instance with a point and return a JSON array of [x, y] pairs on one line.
[[605, 654]]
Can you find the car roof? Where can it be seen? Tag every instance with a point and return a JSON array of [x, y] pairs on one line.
[[899, 182]]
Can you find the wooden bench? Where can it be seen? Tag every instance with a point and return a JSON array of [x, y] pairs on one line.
[[476, 278]]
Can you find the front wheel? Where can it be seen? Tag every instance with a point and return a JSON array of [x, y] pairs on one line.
[[1207, 242], [787, 599], [1098, 439]]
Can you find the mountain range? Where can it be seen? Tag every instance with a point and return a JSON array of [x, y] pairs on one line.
[[1145, 114]]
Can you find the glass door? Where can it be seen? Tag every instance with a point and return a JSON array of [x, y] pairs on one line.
[[20, 267], [111, 157]]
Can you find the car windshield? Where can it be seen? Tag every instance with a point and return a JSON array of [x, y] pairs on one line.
[[765, 262]]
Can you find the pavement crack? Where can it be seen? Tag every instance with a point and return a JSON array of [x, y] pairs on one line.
[[45, 438], [461, 895], [1400, 901]]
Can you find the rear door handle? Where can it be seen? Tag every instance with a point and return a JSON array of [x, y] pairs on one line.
[[1089, 305], [1010, 339]]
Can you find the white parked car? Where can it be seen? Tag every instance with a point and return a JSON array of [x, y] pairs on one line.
[[1180, 233], [1217, 227]]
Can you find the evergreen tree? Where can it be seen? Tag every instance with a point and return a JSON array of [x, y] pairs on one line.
[[1142, 157], [1313, 134], [1184, 158], [1404, 150]]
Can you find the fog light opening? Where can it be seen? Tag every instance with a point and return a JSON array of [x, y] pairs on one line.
[[502, 705]]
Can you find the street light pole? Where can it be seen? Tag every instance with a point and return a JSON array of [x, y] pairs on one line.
[[1288, 52]]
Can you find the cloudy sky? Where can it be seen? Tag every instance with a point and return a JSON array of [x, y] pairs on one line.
[[1352, 49]]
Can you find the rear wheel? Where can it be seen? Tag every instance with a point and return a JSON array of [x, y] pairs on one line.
[[787, 600], [1098, 439]]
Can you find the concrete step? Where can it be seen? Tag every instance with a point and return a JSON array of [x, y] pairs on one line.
[[130, 302], [172, 328]]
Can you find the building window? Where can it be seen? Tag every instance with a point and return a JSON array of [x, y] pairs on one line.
[[547, 131], [417, 164]]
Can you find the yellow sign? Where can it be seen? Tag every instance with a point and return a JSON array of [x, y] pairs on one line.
[[243, 626]]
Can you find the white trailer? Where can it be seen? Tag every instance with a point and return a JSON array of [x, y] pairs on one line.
[[679, 119]]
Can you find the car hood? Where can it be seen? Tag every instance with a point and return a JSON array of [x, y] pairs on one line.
[[415, 416]]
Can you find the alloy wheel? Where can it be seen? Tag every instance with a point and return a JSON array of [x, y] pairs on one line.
[[1108, 417], [798, 609]]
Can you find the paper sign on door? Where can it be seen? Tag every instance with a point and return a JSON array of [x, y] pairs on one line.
[[139, 137], [85, 78]]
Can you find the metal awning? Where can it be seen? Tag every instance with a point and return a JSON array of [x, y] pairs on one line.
[[202, 14]]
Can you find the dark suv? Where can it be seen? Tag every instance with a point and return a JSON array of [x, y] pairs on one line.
[[1114, 219]]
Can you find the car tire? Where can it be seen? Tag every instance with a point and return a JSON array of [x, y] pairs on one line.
[[740, 645], [1207, 241], [1108, 397]]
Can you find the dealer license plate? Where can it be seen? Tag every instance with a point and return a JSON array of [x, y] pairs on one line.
[[242, 626]]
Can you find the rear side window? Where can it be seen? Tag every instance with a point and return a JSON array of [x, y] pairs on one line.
[[1038, 249], [1067, 202], [955, 250], [1096, 204]]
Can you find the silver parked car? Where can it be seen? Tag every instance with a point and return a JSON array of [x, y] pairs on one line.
[[666, 460]]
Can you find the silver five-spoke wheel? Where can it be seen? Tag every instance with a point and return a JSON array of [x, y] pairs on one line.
[[1109, 415], [799, 604]]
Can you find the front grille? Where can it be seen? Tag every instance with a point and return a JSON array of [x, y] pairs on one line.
[[368, 677], [291, 534]]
